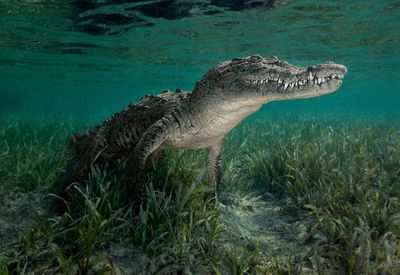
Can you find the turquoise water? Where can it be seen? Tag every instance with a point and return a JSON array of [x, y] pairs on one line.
[[317, 179], [53, 61]]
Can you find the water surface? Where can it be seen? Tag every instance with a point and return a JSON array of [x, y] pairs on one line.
[[57, 57]]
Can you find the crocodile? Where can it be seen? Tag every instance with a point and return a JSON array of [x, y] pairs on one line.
[[229, 92]]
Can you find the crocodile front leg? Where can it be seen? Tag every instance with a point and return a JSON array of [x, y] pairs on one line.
[[215, 154], [134, 175]]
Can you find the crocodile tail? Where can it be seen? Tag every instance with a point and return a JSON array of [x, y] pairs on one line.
[[79, 144], [80, 149], [78, 168]]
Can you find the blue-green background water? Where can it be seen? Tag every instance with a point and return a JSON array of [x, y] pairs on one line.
[[52, 63]]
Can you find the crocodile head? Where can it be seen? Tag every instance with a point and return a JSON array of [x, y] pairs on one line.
[[268, 79]]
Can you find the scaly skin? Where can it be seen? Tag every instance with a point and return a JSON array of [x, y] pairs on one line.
[[227, 94]]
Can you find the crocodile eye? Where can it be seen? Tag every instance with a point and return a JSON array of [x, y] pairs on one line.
[[256, 58], [237, 60]]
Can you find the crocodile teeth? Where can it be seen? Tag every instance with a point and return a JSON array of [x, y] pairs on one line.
[[291, 85], [280, 81], [286, 85], [310, 76]]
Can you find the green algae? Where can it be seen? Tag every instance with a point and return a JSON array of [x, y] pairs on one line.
[[313, 192], [293, 200]]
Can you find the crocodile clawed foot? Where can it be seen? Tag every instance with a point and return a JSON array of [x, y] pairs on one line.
[[58, 206], [213, 198]]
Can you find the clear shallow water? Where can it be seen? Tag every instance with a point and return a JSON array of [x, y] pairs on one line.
[[58, 58], [52, 62]]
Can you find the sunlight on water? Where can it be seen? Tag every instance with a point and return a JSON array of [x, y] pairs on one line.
[[50, 61]]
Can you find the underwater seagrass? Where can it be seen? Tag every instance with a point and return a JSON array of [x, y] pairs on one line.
[[227, 94]]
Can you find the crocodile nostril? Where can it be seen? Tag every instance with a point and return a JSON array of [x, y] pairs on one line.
[[273, 58], [329, 62]]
